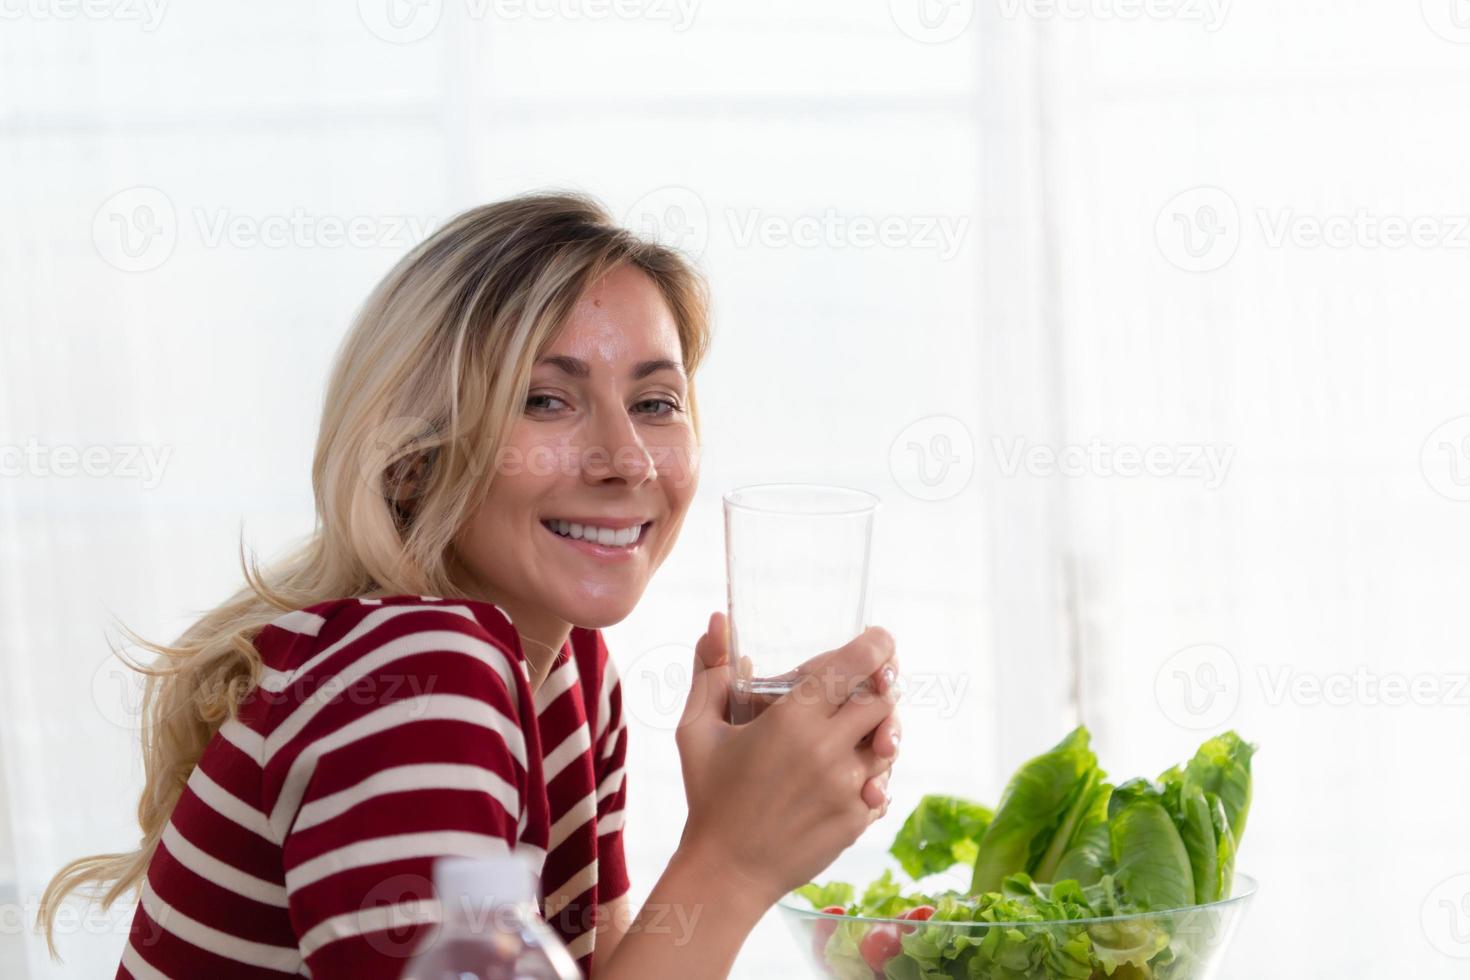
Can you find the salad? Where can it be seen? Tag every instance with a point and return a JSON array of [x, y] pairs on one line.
[[1079, 870]]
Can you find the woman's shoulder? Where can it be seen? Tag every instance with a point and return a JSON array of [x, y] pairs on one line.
[[334, 635], [332, 620]]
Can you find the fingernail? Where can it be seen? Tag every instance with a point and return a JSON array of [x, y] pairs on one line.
[[893, 740], [889, 676]]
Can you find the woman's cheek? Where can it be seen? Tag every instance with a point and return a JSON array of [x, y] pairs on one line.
[[686, 472]]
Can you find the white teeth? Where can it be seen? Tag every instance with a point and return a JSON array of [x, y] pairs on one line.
[[606, 537]]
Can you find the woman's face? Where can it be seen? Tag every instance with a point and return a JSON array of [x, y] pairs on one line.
[[591, 489]]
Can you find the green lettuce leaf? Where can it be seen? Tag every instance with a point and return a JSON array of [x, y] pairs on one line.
[[1065, 859], [1128, 944], [941, 832], [1079, 851], [832, 893], [1223, 766], [1037, 806], [884, 898], [1190, 809], [1225, 843], [1152, 864], [1061, 837], [1089, 853], [843, 956]]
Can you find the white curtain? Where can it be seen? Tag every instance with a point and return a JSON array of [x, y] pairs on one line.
[[974, 257], [1257, 238], [178, 199]]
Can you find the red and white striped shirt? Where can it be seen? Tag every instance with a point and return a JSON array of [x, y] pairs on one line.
[[385, 733]]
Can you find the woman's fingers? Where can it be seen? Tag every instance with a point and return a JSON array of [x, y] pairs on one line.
[[877, 768], [713, 648], [869, 708], [887, 736], [833, 678], [709, 689], [875, 793]]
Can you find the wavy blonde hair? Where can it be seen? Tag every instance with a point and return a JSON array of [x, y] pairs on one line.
[[424, 390]]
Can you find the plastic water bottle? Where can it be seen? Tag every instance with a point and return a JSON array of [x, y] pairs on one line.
[[490, 929]]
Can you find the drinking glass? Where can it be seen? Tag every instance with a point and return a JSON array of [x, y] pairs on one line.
[[796, 563]]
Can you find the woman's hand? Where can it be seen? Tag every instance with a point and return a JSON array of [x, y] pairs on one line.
[[773, 802]]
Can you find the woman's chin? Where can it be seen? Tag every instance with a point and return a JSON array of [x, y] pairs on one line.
[[599, 612]]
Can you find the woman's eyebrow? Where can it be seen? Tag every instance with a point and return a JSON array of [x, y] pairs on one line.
[[645, 368], [577, 368]]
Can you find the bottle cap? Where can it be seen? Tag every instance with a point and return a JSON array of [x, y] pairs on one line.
[[502, 880]]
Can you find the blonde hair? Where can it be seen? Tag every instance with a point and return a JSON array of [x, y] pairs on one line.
[[424, 390]]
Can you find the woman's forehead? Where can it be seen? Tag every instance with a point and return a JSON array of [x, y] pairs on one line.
[[614, 335]]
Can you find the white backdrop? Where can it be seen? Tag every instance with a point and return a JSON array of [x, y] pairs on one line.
[[1104, 299]]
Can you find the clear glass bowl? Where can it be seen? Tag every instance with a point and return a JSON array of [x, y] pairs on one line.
[[1181, 944]]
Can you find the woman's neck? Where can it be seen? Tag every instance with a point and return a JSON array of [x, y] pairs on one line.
[[542, 636], [541, 643]]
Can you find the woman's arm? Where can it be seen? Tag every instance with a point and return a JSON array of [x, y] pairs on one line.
[[691, 927], [612, 926], [762, 818]]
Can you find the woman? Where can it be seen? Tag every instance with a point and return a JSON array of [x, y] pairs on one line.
[[427, 676]]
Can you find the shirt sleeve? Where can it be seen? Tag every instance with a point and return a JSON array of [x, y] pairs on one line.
[[397, 744], [611, 752]]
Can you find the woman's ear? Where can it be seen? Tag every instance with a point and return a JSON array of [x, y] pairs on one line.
[[404, 481]]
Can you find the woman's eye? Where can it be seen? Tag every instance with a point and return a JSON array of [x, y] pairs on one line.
[[670, 405], [536, 403]]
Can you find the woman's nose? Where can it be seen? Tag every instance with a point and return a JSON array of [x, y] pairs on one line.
[[617, 452]]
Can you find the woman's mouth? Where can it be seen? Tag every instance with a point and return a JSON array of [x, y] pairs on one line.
[[599, 541]]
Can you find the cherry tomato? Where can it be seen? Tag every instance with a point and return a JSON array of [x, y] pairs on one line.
[[919, 913], [880, 945], [822, 931]]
